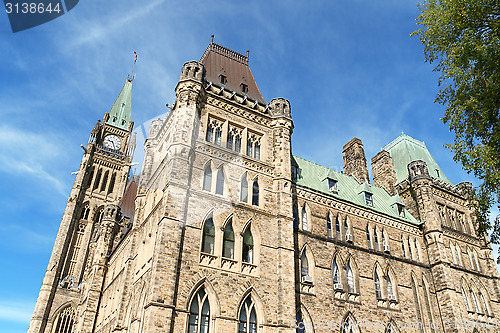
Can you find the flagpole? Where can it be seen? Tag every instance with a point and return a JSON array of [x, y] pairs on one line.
[[135, 60]]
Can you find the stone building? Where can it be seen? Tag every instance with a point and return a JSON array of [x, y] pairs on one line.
[[226, 231]]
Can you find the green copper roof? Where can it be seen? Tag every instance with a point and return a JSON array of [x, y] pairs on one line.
[[121, 112], [313, 176], [405, 149]]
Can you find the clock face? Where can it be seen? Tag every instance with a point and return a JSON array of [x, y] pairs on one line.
[[112, 141]]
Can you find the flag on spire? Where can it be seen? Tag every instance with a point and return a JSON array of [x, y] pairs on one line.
[[135, 53]]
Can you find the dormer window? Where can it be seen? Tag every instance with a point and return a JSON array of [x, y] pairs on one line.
[[369, 199], [244, 88], [222, 79], [401, 210], [332, 185]]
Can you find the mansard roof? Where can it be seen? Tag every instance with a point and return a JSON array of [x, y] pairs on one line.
[[405, 149], [219, 60], [312, 175]]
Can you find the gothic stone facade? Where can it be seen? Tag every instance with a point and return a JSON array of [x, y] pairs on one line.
[[229, 232]]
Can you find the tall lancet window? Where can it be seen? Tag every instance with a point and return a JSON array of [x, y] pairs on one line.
[[337, 228], [219, 188], [350, 279], [208, 241], [368, 238], [248, 317], [390, 289], [375, 239], [304, 265], [378, 289], [247, 247], [244, 189], [255, 193], [228, 246], [305, 225], [329, 226], [199, 313], [336, 272], [207, 178]]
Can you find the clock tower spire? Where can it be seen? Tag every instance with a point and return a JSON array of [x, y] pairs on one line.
[[89, 223]]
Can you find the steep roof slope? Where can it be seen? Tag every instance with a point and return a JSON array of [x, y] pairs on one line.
[[219, 60], [405, 149], [312, 176]]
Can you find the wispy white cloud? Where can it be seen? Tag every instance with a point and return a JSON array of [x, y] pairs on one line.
[[15, 311], [28, 154]]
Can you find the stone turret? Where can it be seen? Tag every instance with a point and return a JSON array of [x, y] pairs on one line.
[[280, 107], [355, 161], [384, 174]]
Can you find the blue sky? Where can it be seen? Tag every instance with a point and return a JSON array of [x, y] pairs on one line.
[[348, 67]]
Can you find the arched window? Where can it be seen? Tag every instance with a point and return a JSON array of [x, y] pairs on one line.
[[329, 226], [416, 298], [207, 179], [483, 302], [228, 243], [244, 189], [350, 279], [199, 313], [336, 272], [304, 265], [337, 228], [474, 300], [255, 193], [375, 239], [65, 321], [219, 188], [305, 225], [248, 317], [368, 238], [247, 253], [390, 289], [466, 299], [348, 326], [208, 241], [378, 289]]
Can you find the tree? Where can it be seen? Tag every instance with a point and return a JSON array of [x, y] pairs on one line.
[[462, 37]]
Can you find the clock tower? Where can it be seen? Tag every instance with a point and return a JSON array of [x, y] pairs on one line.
[[89, 224]]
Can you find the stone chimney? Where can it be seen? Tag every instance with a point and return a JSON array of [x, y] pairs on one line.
[[383, 172], [355, 161]]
